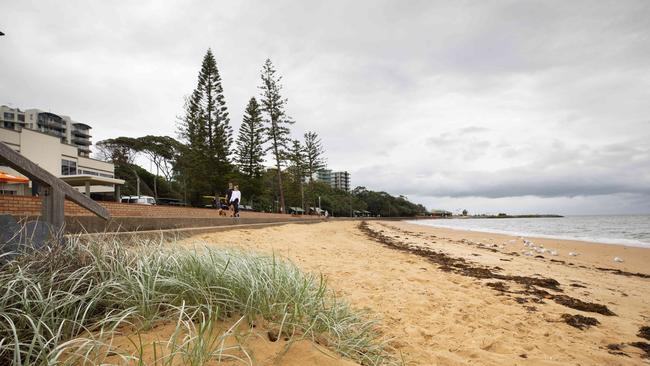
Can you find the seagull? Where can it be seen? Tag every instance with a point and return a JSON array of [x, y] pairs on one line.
[[618, 259], [573, 254]]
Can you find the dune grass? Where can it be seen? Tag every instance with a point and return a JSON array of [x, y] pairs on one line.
[[63, 304]]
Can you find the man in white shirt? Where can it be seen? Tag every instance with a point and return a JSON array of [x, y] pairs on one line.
[[235, 198]]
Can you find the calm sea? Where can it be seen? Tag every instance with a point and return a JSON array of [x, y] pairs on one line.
[[624, 230]]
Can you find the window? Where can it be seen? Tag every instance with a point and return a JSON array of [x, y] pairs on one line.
[[81, 171], [9, 116], [21, 117], [88, 172], [68, 167]]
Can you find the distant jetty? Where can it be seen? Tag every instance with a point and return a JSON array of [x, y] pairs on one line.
[[505, 216]]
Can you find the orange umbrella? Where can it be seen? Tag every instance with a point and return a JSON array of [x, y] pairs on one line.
[[8, 178]]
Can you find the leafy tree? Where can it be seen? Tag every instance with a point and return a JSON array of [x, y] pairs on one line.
[[382, 203], [117, 150], [161, 151], [464, 212], [277, 121], [250, 148], [206, 128]]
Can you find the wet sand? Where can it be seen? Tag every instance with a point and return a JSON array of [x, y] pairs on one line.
[[449, 297]]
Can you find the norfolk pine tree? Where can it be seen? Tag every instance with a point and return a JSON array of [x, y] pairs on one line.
[[277, 122], [314, 161], [206, 129], [296, 159], [249, 154], [250, 141]]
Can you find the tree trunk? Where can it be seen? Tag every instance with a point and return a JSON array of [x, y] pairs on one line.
[[302, 196], [155, 184], [282, 210]]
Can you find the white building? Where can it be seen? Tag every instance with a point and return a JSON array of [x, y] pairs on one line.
[[63, 127], [58, 145], [338, 180], [341, 180]]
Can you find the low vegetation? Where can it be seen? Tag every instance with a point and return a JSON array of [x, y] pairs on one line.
[[64, 305]]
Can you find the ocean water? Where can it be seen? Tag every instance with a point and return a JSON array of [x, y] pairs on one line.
[[623, 230]]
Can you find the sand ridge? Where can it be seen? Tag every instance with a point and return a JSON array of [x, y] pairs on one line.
[[445, 318], [235, 340]]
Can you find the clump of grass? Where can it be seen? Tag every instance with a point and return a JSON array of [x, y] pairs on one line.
[[63, 304]]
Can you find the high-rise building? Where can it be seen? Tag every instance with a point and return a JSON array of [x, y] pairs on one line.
[[69, 131], [341, 180]]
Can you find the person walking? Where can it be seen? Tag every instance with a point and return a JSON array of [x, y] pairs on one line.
[[235, 199], [228, 195]]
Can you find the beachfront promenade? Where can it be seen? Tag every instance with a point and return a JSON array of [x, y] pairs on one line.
[[132, 217]]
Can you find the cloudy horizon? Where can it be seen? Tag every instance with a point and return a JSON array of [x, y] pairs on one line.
[[518, 107]]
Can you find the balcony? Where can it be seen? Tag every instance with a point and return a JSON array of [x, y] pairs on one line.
[[81, 141], [83, 151], [81, 133], [51, 121], [52, 124], [52, 132]]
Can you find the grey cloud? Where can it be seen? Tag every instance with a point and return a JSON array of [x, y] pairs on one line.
[[561, 172], [424, 98]]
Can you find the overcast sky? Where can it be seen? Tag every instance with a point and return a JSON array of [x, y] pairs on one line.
[[492, 106]]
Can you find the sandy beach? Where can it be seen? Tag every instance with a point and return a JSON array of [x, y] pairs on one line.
[[448, 297]]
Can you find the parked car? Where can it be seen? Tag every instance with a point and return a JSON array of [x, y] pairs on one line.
[[211, 202], [170, 202], [141, 200], [245, 208]]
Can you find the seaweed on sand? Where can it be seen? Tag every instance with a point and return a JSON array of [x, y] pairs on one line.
[[644, 332], [643, 346], [463, 267], [616, 349], [579, 321], [578, 304]]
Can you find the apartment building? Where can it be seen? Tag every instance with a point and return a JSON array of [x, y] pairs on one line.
[[338, 180], [341, 180], [69, 131], [59, 145], [323, 175]]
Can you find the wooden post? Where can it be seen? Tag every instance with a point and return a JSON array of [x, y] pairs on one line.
[[52, 208]]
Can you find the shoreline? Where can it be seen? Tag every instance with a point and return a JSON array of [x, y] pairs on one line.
[[589, 252], [609, 241]]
